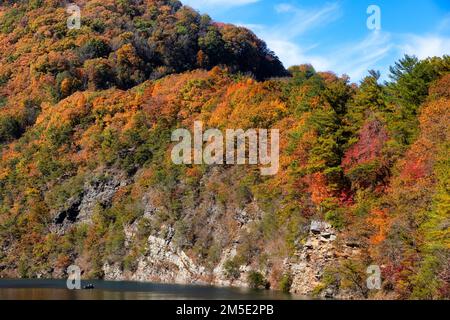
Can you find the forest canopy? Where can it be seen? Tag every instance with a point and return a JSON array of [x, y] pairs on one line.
[[88, 110]]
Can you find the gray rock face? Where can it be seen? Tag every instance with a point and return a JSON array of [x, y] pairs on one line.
[[318, 253], [150, 209], [162, 262], [99, 190], [318, 227], [311, 260], [69, 215], [162, 259]]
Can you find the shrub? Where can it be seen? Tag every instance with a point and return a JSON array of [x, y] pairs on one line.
[[231, 268], [330, 279], [256, 280], [9, 20], [10, 128], [214, 253], [3, 101], [286, 283], [365, 175], [100, 74], [130, 262], [336, 218], [94, 48], [182, 235], [4, 78]]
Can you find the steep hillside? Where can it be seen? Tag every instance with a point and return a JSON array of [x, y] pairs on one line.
[[86, 175], [120, 44]]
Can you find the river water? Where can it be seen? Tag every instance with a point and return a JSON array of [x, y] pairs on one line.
[[39, 289]]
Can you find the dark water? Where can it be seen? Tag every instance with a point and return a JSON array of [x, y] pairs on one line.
[[38, 289]]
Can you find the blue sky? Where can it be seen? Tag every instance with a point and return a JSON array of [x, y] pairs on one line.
[[333, 35]]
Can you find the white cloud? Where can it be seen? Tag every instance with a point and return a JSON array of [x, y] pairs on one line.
[[282, 38], [211, 4], [301, 20], [284, 7], [292, 54], [353, 58], [357, 58], [444, 25], [426, 46]]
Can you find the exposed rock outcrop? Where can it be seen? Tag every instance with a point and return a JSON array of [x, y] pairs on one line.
[[317, 254], [162, 262], [98, 191]]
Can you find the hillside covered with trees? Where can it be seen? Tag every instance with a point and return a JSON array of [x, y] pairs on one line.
[[85, 137]]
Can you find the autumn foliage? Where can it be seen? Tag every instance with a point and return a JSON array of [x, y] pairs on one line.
[[94, 108]]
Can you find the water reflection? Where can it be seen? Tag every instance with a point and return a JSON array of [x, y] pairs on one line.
[[38, 289]]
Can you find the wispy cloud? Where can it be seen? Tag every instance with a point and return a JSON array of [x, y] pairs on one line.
[[354, 58], [207, 4], [426, 46], [284, 7], [291, 40], [299, 20], [291, 54], [444, 25], [357, 57], [282, 38]]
